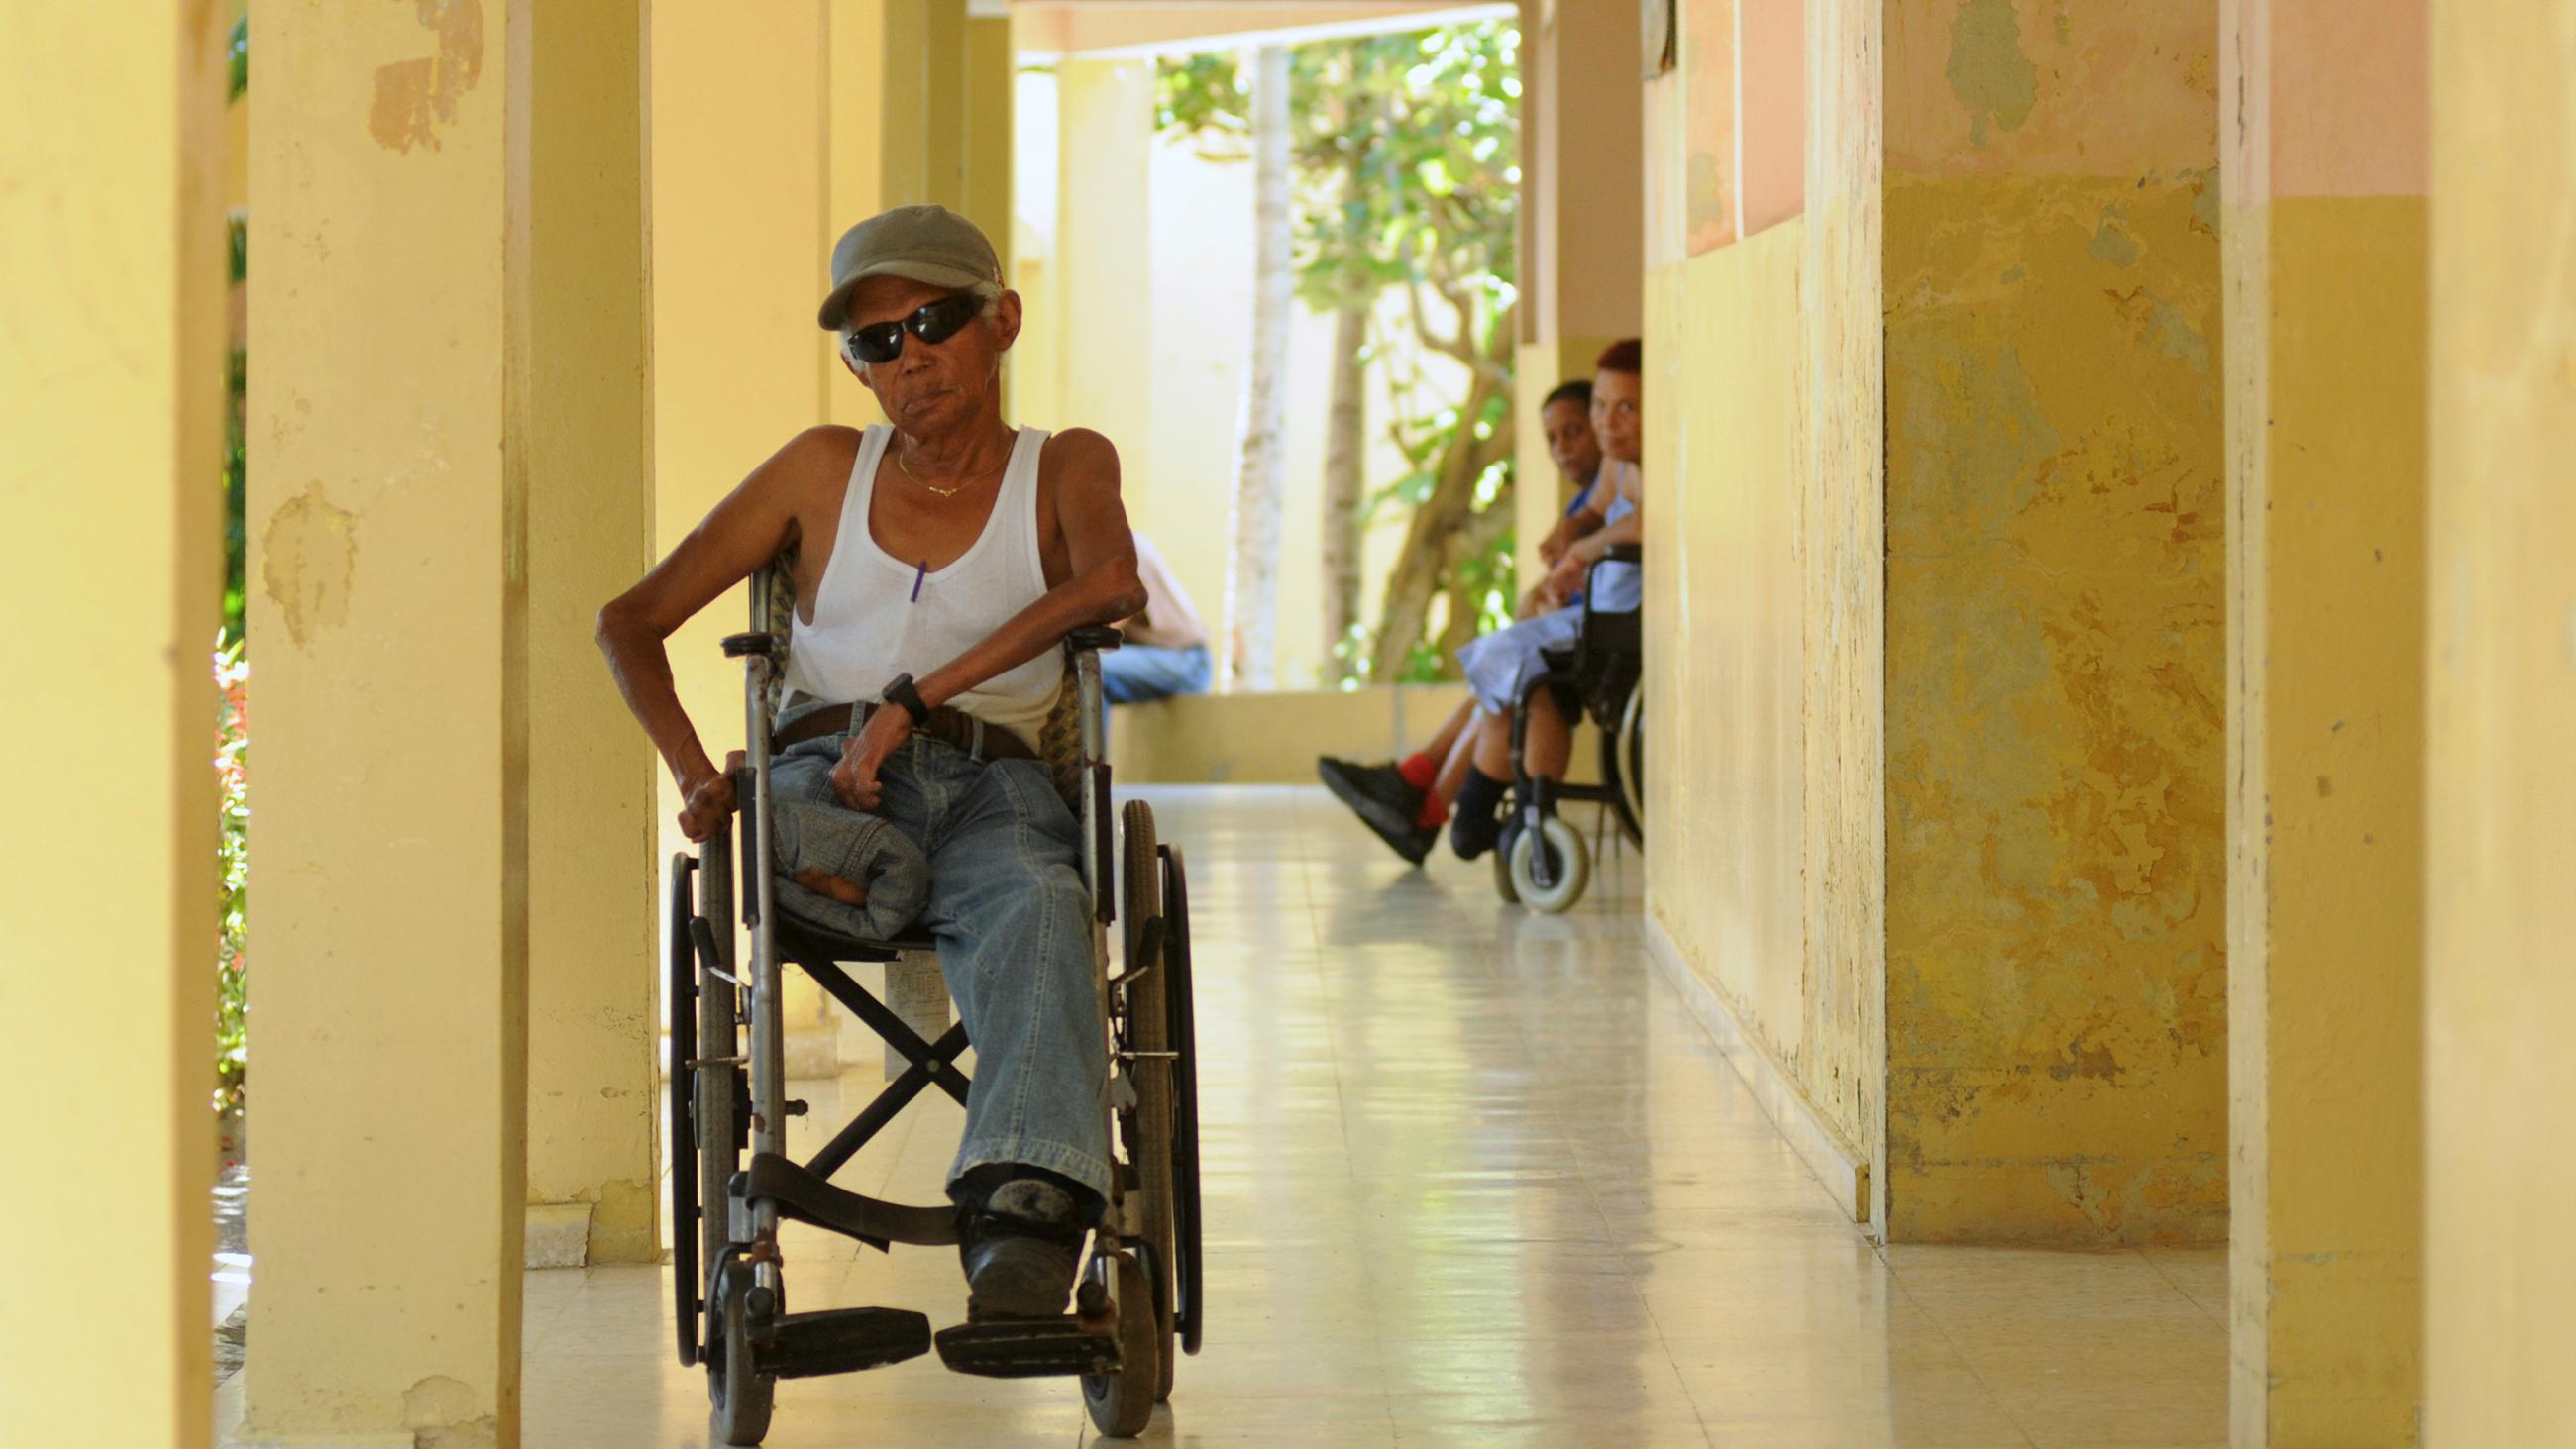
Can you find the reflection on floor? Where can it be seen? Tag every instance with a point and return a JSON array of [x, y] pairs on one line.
[[1475, 1178]]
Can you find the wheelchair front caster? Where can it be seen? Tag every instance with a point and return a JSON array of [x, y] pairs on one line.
[[1122, 1403], [1550, 866], [1503, 878], [740, 1395]]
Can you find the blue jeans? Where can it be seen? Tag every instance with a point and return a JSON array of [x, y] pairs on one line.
[[1013, 923], [1135, 673]]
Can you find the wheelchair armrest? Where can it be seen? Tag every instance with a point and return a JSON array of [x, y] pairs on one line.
[[1095, 637], [1626, 553], [737, 646]]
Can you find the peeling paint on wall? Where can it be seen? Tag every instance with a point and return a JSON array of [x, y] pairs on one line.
[[308, 561], [1989, 73], [2056, 850], [413, 98]]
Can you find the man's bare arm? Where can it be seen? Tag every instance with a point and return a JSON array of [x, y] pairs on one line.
[[743, 532], [1103, 588]]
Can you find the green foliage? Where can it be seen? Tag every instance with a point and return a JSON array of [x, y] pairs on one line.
[[232, 678], [1406, 166], [232, 760]]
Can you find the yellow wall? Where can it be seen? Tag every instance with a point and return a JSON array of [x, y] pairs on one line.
[[2325, 255], [111, 408], [1762, 608], [1955, 866], [2055, 598], [2500, 1285]]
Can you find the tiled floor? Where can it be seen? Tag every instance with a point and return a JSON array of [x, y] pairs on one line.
[[1474, 1177]]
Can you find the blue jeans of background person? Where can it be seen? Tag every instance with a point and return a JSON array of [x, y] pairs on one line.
[[1014, 930], [1134, 673]]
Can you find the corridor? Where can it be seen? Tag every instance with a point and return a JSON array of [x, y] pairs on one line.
[[1475, 1177]]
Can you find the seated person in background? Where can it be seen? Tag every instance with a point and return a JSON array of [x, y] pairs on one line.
[[1407, 801], [1502, 665], [1166, 650], [939, 563]]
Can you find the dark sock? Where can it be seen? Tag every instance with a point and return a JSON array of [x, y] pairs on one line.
[[972, 1189], [1477, 817]]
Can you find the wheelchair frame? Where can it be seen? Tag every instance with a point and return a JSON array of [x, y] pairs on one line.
[[1139, 1292], [1549, 865]]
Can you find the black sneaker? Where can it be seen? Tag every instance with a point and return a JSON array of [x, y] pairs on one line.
[[1021, 1250], [1382, 800]]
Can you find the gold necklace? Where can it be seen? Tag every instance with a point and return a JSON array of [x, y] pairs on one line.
[[950, 491]]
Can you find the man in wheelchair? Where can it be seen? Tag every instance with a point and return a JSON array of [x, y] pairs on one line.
[[938, 564]]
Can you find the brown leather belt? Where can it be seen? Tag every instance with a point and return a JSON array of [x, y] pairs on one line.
[[948, 726]]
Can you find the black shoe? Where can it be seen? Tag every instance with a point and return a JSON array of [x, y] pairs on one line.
[[1479, 815], [1384, 803], [1021, 1250]]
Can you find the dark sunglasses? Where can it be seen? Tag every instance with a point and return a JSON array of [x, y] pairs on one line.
[[883, 341]]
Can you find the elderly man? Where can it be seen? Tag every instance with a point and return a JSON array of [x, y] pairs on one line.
[[938, 561]]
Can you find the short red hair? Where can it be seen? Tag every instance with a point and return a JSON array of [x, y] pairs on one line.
[[1626, 355]]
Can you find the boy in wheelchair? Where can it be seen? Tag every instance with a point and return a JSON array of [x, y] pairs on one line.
[[937, 565], [1503, 668]]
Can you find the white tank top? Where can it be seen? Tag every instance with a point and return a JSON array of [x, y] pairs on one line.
[[871, 624]]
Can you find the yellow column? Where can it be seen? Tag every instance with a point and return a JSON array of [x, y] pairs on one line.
[[2325, 238], [2501, 805], [991, 79], [1583, 260], [592, 933], [437, 390], [2055, 598], [1102, 343], [111, 438]]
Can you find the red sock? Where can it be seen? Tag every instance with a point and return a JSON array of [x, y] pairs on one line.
[[1418, 770], [1433, 814]]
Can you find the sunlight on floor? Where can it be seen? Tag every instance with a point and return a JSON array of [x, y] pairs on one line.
[[1473, 1177]]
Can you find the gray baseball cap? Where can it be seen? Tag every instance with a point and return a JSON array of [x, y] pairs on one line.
[[922, 243]]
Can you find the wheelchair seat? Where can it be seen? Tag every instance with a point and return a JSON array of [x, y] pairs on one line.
[[800, 938]]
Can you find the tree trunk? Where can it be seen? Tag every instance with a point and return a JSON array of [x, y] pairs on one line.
[[1252, 568], [1345, 457], [1439, 535]]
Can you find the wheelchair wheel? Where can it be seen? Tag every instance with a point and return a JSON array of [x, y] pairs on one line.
[[1503, 879], [720, 1095], [1148, 1129], [681, 986], [741, 1399], [1550, 866], [1630, 740], [1122, 1404], [1189, 1274]]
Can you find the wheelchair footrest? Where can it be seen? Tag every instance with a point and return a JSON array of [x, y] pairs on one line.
[[1027, 1348], [844, 1340], [803, 1196]]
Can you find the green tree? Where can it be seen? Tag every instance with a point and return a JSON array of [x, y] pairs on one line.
[[1406, 156]]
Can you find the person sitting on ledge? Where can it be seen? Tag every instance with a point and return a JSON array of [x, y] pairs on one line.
[[1166, 651]]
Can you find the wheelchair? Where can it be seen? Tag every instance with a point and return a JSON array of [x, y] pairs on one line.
[[1139, 1293], [1599, 679]]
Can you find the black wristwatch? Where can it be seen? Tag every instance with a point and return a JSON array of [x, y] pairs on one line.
[[901, 692]]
